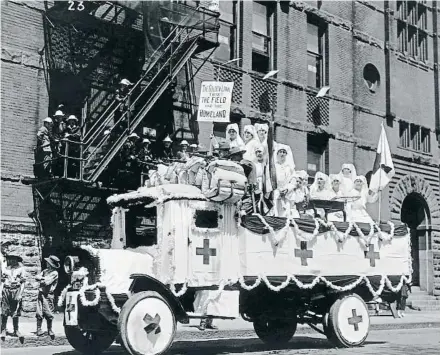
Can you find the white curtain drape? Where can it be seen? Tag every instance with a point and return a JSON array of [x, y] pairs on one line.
[[119, 238]]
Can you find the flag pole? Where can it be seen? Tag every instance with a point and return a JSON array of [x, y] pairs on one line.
[[380, 203], [380, 189]]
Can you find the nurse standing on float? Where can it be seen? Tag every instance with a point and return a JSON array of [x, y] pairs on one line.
[[286, 182], [232, 136], [347, 175], [262, 131], [251, 141], [358, 209]]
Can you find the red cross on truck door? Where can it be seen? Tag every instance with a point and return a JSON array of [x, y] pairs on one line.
[[205, 258]]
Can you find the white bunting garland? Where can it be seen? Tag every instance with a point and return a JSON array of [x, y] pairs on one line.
[[84, 300], [181, 292], [111, 299], [300, 235], [339, 236], [384, 281], [62, 297], [272, 235]]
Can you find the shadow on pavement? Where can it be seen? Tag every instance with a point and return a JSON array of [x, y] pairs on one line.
[[225, 346]]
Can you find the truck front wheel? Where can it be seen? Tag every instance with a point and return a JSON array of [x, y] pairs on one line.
[[87, 342], [147, 324]]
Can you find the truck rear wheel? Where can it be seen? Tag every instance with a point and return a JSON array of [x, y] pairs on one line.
[[87, 342], [275, 331], [348, 322], [147, 324]]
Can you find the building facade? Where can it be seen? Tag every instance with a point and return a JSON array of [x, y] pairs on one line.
[[379, 60]]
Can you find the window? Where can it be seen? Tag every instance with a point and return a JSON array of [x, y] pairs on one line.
[[411, 28], [404, 134], [426, 140], [316, 52], [317, 154], [206, 219], [262, 37], [140, 226], [415, 137], [228, 48]]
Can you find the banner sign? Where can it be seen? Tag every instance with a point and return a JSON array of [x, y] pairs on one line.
[[215, 101]]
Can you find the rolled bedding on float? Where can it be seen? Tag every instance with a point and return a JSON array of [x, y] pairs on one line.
[[227, 182]]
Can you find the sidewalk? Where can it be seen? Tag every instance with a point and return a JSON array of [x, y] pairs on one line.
[[226, 328]]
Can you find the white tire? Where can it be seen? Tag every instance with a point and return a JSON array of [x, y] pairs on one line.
[[147, 324], [348, 322]]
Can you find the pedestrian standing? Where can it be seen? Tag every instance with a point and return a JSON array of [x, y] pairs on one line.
[[48, 279], [44, 147], [123, 101], [403, 296], [13, 279], [73, 135]]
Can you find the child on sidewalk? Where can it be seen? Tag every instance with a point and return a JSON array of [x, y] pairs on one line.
[[45, 301], [13, 279]]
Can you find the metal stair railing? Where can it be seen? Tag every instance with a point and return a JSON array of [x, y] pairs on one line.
[[164, 83], [104, 118], [91, 142], [151, 99]]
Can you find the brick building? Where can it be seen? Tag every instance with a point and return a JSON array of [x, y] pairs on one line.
[[380, 60]]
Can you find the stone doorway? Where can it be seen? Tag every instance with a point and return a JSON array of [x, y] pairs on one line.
[[414, 201], [415, 213]]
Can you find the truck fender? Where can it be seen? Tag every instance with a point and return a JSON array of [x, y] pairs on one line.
[[143, 282]]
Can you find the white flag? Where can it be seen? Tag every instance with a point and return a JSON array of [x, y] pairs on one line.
[[383, 169]]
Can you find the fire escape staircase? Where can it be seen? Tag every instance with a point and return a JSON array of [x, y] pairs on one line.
[[186, 39]]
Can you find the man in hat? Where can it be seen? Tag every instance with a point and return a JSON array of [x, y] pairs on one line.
[[122, 100], [145, 155], [236, 154], [123, 90], [183, 154], [144, 159], [167, 151], [73, 135], [128, 158], [59, 125], [72, 128], [13, 280], [45, 143], [58, 146], [48, 279]]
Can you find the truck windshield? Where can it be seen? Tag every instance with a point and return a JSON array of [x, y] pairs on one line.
[[140, 226]]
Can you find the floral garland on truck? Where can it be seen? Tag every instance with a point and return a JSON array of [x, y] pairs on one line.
[[319, 225], [82, 294], [384, 281]]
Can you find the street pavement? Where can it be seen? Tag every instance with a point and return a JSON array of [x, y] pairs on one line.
[[237, 328], [385, 342]]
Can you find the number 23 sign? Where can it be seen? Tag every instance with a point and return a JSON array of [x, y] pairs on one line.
[[76, 5]]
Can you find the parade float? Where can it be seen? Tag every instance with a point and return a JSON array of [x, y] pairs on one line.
[[171, 241]]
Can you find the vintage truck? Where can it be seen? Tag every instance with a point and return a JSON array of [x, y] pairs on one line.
[[170, 242]]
